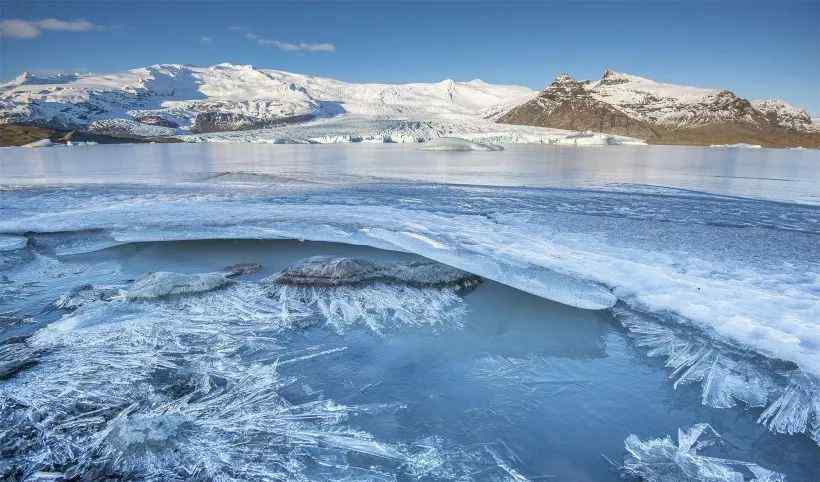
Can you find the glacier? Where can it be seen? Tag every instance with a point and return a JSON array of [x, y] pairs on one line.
[[241, 103]]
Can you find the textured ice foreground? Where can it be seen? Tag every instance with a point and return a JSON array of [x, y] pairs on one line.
[[661, 460], [176, 380], [359, 364], [723, 289]]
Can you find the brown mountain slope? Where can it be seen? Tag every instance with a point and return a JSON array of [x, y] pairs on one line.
[[664, 113]]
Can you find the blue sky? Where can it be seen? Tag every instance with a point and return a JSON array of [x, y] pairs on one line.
[[756, 49]]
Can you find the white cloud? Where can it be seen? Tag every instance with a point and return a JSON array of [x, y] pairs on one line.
[[68, 26], [206, 40], [303, 46], [17, 28], [288, 46]]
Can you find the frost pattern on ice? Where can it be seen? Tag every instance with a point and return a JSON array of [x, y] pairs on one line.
[[662, 460], [728, 375], [797, 409], [376, 306], [190, 386]]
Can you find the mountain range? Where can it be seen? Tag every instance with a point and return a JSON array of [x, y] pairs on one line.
[[181, 102]]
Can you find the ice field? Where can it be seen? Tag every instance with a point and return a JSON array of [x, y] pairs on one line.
[[628, 294]]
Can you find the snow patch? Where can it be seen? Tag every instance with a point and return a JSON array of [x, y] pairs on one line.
[[740, 145]]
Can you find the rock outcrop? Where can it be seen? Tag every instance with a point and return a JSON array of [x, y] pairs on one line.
[[664, 113], [342, 271]]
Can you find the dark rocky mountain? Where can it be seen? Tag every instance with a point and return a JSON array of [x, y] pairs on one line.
[[664, 113]]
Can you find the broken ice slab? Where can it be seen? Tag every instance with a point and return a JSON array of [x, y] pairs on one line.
[[165, 283], [452, 144]]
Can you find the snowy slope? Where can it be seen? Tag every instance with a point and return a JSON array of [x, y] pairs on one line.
[[680, 105], [630, 105], [785, 114], [174, 99]]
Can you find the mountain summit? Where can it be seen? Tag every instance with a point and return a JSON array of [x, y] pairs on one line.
[[661, 113]]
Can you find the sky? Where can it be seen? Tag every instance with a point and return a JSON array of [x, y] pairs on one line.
[[753, 48]]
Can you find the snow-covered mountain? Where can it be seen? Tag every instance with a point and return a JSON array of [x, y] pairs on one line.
[[164, 100], [212, 103], [664, 113]]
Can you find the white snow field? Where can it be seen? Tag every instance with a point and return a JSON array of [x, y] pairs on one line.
[[680, 105], [725, 288], [166, 100]]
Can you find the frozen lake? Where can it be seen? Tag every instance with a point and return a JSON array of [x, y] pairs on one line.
[[627, 290], [775, 174]]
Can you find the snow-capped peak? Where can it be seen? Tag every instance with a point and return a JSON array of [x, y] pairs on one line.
[[563, 78], [612, 77], [233, 96], [30, 78], [631, 105]]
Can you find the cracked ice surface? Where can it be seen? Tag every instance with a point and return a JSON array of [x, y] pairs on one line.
[[745, 271]]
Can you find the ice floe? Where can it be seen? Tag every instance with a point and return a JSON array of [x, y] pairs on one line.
[[736, 146], [163, 283], [455, 144]]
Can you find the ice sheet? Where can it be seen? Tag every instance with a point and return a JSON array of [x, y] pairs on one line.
[[742, 272]]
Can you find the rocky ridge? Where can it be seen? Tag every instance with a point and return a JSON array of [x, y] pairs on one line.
[[661, 113]]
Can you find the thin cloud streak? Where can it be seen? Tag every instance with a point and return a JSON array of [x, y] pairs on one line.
[[27, 29], [288, 46]]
